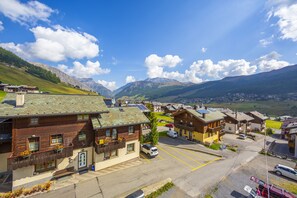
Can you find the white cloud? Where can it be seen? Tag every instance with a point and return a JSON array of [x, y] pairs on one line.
[[109, 85], [114, 61], [205, 70], [1, 26], [155, 64], [270, 62], [203, 50], [266, 41], [286, 12], [84, 71], [130, 79], [57, 44], [25, 13]]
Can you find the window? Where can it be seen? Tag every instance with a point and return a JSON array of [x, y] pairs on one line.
[[82, 117], [34, 144], [131, 130], [45, 166], [56, 139], [82, 136], [33, 121], [114, 134], [110, 154], [107, 133], [130, 148]]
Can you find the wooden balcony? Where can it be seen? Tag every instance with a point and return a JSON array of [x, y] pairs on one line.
[[16, 162], [110, 146], [215, 129], [185, 126]]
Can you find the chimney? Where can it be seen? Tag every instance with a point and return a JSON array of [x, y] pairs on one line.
[[205, 107], [20, 99], [203, 115]]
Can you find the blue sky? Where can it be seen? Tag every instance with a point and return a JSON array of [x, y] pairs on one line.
[[115, 42]]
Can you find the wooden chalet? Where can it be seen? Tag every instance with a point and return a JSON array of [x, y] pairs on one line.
[[237, 122], [202, 125], [50, 136], [258, 122]]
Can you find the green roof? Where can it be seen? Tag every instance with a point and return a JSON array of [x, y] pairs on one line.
[[119, 117], [49, 105], [211, 116]]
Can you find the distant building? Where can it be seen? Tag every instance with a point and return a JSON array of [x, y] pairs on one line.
[[258, 122], [237, 122], [200, 125]]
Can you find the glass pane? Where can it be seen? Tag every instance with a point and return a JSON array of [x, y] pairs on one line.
[[107, 133], [114, 134]]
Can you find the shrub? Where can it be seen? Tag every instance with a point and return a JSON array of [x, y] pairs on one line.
[[18, 192], [269, 131], [161, 190], [214, 146]]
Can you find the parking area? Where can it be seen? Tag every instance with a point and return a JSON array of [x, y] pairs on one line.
[[184, 158]]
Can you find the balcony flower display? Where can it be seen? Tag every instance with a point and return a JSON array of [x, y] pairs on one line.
[[59, 148], [25, 154]]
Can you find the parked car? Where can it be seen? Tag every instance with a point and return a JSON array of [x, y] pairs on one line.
[[136, 194], [172, 133], [242, 136], [286, 171], [149, 150], [170, 125]]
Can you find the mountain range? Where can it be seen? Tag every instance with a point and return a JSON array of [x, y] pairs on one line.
[[15, 70]]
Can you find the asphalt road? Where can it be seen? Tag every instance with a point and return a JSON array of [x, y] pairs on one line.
[[232, 186]]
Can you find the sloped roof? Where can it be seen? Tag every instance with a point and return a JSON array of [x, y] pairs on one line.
[[259, 115], [48, 105], [211, 116], [119, 117], [239, 116]]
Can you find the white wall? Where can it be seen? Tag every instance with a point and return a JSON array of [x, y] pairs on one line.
[[255, 126], [122, 156], [230, 128], [24, 176], [295, 145], [3, 161]]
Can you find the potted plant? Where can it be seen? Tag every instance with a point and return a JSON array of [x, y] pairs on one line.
[[25, 154], [106, 141], [59, 148]]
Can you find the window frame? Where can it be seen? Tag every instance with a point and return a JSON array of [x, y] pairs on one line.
[[51, 139], [36, 122], [107, 130], [83, 117], [112, 134], [132, 151], [37, 138], [82, 133], [129, 131]]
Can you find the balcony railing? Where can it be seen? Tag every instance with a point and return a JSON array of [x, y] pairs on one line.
[[185, 126], [215, 129], [16, 162], [102, 148]]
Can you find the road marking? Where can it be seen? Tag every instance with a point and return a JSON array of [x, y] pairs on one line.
[[145, 158], [176, 157], [218, 158], [160, 157], [194, 153], [187, 156]]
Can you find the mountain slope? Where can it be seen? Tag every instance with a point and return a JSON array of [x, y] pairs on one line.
[[65, 78], [16, 71], [282, 81], [151, 88], [89, 82]]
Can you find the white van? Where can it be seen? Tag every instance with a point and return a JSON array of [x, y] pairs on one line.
[[172, 134]]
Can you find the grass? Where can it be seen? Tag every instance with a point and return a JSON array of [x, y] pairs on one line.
[[16, 76], [273, 124], [272, 108], [215, 146], [289, 186], [2, 95], [165, 118], [162, 133], [160, 191], [208, 196]]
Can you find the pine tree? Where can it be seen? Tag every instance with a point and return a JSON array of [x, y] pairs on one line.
[[154, 132]]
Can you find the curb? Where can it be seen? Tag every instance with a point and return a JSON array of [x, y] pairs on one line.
[[197, 150]]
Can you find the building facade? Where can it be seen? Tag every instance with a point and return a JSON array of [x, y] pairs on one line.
[[200, 125], [54, 135], [258, 122], [237, 122]]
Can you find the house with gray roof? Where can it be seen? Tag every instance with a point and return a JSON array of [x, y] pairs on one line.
[[237, 122]]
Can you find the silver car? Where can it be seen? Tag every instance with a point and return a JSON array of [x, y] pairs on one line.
[[286, 171]]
